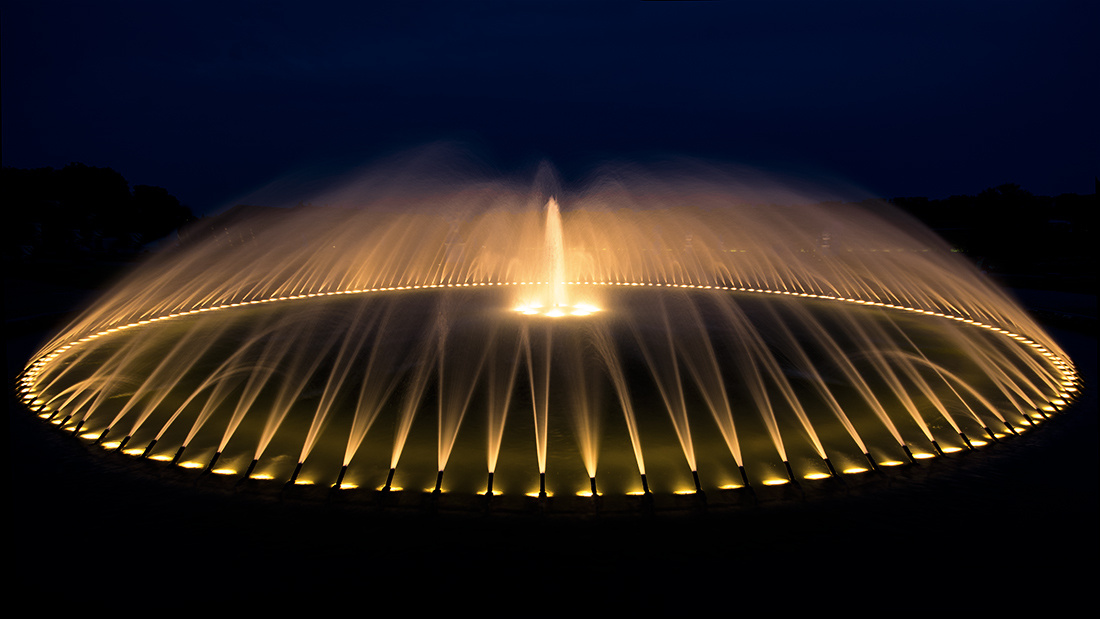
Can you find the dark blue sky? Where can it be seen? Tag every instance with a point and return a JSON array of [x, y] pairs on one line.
[[212, 100]]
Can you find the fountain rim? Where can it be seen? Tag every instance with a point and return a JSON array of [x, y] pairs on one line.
[[38, 362], [1059, 363]]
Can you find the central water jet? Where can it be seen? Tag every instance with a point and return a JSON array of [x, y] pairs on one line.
[[722, 346]]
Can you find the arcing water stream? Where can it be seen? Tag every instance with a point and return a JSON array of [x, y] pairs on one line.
[[660, 337]]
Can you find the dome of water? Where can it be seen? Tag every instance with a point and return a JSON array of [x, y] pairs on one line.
[[637, 336]]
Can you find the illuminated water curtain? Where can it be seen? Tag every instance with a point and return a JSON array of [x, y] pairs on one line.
[[489, 340]]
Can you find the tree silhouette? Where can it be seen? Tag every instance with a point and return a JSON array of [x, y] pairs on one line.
[[80, 210]]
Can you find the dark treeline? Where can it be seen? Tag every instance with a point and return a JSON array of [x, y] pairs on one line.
[[86, 214], [81, 212], [1023, 239]]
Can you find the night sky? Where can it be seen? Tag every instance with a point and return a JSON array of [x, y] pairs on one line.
[[214, 100]]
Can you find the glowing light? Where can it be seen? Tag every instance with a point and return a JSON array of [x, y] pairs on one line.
[[224, 472], [190, 464], [855, 470], [641, 266], [555, 311]]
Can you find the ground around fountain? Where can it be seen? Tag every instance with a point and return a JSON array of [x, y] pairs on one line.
[[1009, 526]]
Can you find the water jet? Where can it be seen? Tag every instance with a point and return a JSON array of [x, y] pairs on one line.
[[640, 329]]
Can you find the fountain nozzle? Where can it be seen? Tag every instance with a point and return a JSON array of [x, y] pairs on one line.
[[294, 477], [148, 448], [790, 472], [871, 461], [210, 467], [909, 454]]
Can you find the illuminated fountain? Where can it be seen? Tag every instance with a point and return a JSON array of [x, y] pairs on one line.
[[659, 336]]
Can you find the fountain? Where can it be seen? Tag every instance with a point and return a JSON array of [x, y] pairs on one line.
[[640, 337]]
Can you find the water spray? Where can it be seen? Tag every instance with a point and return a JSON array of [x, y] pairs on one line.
[[592, 259]]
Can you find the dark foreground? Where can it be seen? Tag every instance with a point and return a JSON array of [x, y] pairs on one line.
[[1010, 526]]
